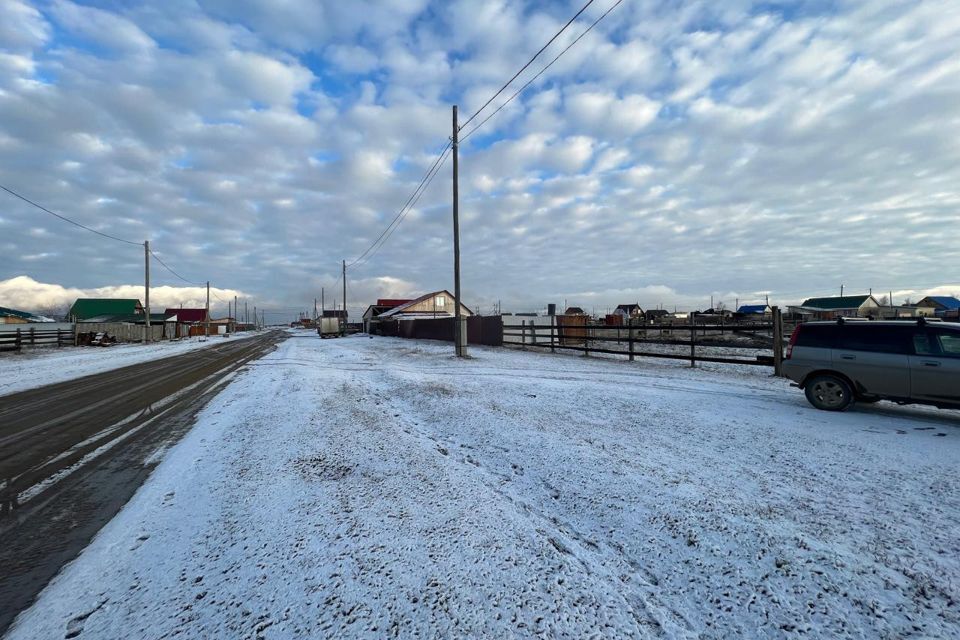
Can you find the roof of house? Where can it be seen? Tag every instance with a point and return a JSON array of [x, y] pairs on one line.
[[426, 296], [657, 312], [185, 316], [837, 302], [573, 311], [85, 308], [6, 311], [376, 309], [753, 308], [947, 302], [629, 308], [390, 302], [133, 318]]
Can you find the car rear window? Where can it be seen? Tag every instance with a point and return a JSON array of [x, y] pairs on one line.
[[876, 338], [817, 335]]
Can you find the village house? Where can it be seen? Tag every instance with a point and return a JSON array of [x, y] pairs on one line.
[[946, 307], [374, 310], [15, 316], [436, 304], [629, 311], [86, 308], [864, 306]]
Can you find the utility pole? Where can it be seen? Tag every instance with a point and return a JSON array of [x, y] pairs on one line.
[[235, 313], [841, 290], [208, 308], [459, 328], [146, 288], [343, 325], [314, 310], [255, 327]]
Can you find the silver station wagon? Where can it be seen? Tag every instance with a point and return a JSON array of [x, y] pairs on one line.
[[840, 362]]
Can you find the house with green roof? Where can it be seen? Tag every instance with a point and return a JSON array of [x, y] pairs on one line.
[[85, 308], [15, 316], [841, 307]]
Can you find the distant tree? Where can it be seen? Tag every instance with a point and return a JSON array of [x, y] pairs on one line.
[[907, 302], [55, 311], [884, 301]]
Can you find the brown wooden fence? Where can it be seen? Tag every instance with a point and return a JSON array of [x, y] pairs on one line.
[[563, 334], [32, 337]]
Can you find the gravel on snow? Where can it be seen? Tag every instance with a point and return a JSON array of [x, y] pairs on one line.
[[379, 487]]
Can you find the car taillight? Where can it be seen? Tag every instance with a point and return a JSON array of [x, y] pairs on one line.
[[793, 341]]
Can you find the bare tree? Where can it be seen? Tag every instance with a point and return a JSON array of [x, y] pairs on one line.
[[58, 312], [884, 301]]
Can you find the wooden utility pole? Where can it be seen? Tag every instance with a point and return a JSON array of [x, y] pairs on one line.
[[459, 327], [208, 308], [777, 342], [146, 288], [343, 325]]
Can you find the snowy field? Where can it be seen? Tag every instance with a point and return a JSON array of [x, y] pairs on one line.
[[369, 488], [31, 368]]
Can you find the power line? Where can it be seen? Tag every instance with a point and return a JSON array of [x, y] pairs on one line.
[[400, 213], [524, 67], [66, 219], [540, 73], [164, 265], [412, 203]]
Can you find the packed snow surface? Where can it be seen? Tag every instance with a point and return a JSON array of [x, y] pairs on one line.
[[378, 487], [37, 367]]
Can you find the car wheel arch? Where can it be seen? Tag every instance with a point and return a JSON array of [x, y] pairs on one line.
[[829, 372]]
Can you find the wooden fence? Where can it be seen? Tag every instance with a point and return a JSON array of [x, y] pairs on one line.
[[582, 337], [33, 337]]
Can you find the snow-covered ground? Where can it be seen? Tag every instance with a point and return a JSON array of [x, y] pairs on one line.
[[370, 488], [31, 368]]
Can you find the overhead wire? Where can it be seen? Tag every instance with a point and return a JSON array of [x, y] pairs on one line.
[[401, 213], [529, 62], [539, 73], [66, 219], [413, 202]]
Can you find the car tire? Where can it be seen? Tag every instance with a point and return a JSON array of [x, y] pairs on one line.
[[829, 393]]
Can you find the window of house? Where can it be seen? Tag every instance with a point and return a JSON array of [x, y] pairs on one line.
[[440, 301]]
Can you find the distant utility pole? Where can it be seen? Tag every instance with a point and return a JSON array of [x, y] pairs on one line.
[[146, 295], [255, 317], [321, 302], [208, 307], [314, 309], [246, 315], [235, 313], [343, 326], [459, 327], [841, 290]]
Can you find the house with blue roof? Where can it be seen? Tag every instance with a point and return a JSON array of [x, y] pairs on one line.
[[754, 309], [943, 306]]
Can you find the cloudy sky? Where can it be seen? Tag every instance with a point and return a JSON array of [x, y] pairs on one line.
[[679, 150]]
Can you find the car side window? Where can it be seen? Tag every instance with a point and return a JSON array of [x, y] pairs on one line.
[[878, 339], [923, 345], [949, 343]]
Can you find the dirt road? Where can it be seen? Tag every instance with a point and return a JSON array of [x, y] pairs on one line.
[[72, 454]]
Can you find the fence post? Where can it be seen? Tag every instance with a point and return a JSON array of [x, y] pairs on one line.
[[777, 342], [19, 341], [693, 339], [630, 337], [553, 320], [523, 334], [33, 339], [533, 334]]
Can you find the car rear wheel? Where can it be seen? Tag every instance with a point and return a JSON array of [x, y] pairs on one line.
[[829, 393]]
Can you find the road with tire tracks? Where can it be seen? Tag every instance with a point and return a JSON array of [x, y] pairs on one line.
[[73, 453]]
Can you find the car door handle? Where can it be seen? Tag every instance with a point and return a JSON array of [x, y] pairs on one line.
[[848, 357], [931, 363]]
